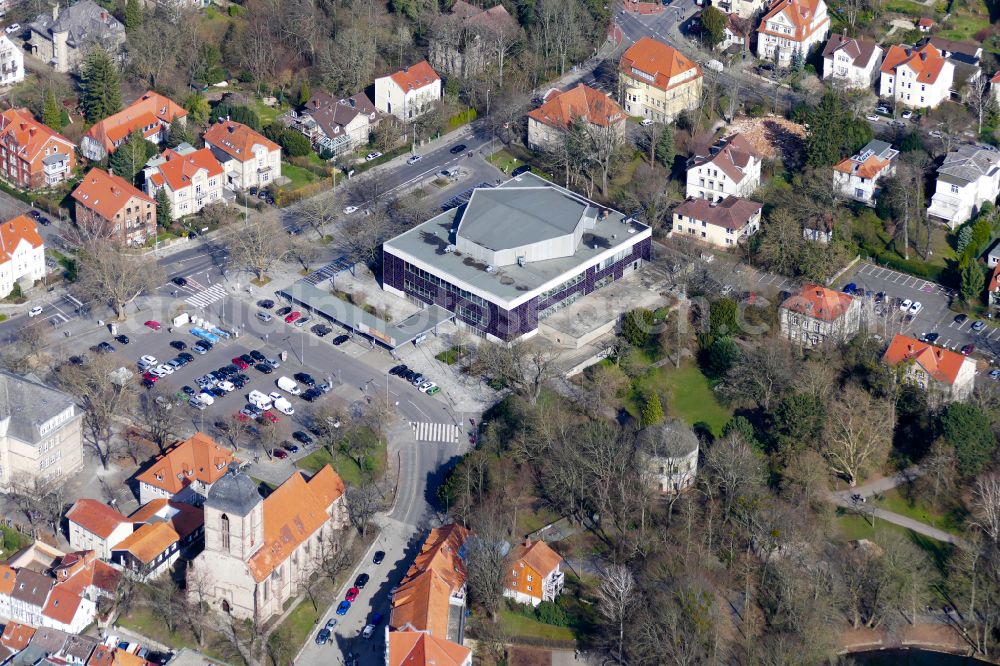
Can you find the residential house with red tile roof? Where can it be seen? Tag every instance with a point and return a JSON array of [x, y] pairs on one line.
[[108, 206], [917, 77], [849, 62], [15, 638], [857, 177], [32, 155], [149, 551], [191, 178], [249, 158], [185, 472], [791, 27], [185, 519], [925, 24], [408, 93], [151, 114], [563, 108], [731, 167], [93, 525], [658, 81], [416, 648], [535, 574], [432, 595], [819, 316], [736, 35], [258, 551], [723, 223], [945, 376], [22, 253]]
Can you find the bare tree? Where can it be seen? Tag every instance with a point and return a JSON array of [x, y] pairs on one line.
[[858, 433], [616, 597], [488, 555], [24, 353], [104, 398], [938, 469], [160, 418], [734, 469], [317, 212], [109, 274], [524, 367], [164, 600], [257, 246], [198, 584], [362, 505], [979, 102], [334, 554], [256, 48], [362, 234], [986, 505]]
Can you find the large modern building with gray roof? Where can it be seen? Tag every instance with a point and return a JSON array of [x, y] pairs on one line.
[[513, 255], [40, 432]]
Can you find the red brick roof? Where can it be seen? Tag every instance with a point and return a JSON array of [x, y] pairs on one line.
[[562, 108], [870, 168], [149, 541], [178, 170], [422, 600], [941, 364], [927, 62], [198, 458], [415, 648], [151, 110], [184, 518], [657, 60], [15, 230], [237, 140], [106, 194], [95, 517], [415, 76], [537, 555], [31, 136], [819, 302], [799, 12]]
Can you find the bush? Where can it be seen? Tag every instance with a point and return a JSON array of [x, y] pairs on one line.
[[552, 613], [637, 326]]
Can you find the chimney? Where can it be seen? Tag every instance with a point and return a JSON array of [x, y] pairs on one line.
[[909, 348], [55, 11], [104, 17], [939, 354]]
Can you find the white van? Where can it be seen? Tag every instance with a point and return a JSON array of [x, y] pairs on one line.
[[206, 398], [288, 385], [259, 400]]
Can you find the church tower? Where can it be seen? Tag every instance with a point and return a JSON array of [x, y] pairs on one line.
[[234, 516]]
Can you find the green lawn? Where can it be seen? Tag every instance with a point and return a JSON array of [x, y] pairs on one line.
[[520, 625], [688, 394], [298, 176], [908, 504], [13, 540], [852, 527], [963, 25], [147, 623], [504, 161], [533, 519], [267, 114], [344, 466]]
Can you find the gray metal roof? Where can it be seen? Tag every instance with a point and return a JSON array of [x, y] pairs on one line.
[[234, 493], [968, 163], [672, 439], [26, 404], [502, 218], [428, 243], [86, 22]]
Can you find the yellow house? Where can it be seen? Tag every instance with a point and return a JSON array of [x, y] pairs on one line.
[[658, 82]]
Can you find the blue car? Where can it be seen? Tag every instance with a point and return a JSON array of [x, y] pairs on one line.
[[375, 619], [343, 607], [850, 288]]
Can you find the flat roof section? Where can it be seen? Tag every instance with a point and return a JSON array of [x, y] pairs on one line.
[[391, 335], [427, 247]]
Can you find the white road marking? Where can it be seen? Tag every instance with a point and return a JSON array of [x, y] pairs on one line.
[[436, 432], [207, 296]]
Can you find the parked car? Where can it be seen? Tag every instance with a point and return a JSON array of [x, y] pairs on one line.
[[916, 307], [13, 29], [240, 363], [148, 360], [339, 340], [968, 349], [311, 395], [291, 448], [931, 337], [905, 305], [323, 636], [343, 607], [524, 168], [279, 454], [398, 370], [414, 159], [352, 594], [978, 326], [961, 319], [35, 311], [349, 209], [199, 348], [281, 312], [257, 356], [292, 316], [179, 345], [368, 631], [264, 316], [264, 368], [304, 378], [302, 321], [302, 437], [155, 325], [379, 557], [373, 156], [361, 581], [265, 303]]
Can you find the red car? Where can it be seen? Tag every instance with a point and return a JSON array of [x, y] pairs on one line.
[[292, 316], [352, 594], [968, 349], [155, 325], [278, 453], [268, 416], [241, 417], [150, 377], [240, 363]]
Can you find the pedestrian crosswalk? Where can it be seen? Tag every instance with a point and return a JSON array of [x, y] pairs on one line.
[[207, 296], [436, 432]]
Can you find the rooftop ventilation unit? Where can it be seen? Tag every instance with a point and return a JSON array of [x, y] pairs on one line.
[[450, 248], [520, 261], [490, 269]]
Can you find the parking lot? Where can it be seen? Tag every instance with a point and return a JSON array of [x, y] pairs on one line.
[[936, 316]]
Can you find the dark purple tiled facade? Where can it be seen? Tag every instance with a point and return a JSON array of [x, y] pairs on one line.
[[489, 318]]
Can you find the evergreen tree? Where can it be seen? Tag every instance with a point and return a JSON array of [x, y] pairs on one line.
[[50, 112], [198, 108], [304, 94], [713, 25], [131, 156], [665, 146], [179, 133], [164, 214], [100, 86], [133, 15], [964, 237], [652, 413], [973, 282], [798, 62]]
